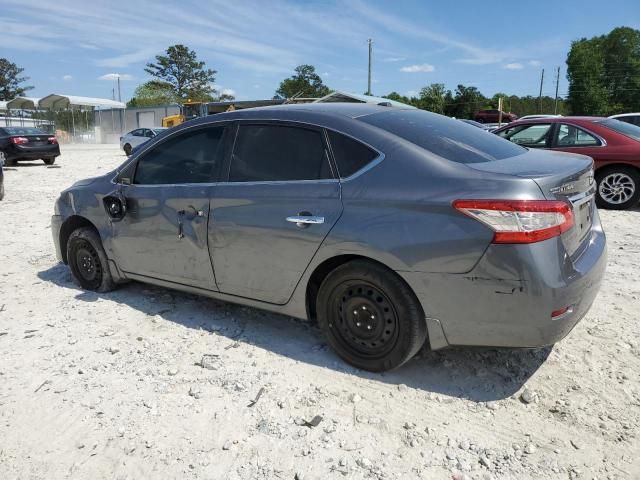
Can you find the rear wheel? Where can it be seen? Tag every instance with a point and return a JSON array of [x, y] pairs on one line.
[[371, 317], [88, 261], [10, 163], [49, 161], [618, 188], [127, 149]]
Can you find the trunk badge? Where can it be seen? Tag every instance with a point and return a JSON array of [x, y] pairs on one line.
[[567, 187]]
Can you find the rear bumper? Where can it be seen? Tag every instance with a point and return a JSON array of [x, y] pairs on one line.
[[56, 225], [507, 299], [17, 152]]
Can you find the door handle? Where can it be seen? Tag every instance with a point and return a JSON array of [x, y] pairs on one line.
[[303, 221]]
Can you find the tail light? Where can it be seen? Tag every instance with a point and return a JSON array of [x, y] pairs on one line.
[[19, 140], [520, 221], [52, 140]]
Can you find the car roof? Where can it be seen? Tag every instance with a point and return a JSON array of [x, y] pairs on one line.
[[636, 114], [578, 119]]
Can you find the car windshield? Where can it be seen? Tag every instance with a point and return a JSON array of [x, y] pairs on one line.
[[443, 136], [24, 131], [624, 128]]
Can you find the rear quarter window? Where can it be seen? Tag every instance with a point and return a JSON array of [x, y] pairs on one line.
[[445, 137], [349, 154]]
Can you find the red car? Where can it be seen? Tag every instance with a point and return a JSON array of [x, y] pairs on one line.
[[493, 116], [613, 145]]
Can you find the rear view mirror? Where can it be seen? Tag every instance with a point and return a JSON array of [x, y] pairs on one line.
[[116, 206]]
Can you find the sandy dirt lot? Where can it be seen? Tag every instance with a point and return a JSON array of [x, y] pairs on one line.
[[115, 385]]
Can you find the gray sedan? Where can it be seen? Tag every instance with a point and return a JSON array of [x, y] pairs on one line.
[[390, 227]]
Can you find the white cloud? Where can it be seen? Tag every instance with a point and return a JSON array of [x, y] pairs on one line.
[[535, 63], [412, 93], [513, 66], [326, 74], [67, 77], [425, 67], [394, 59], [115, 76], [228, 91]]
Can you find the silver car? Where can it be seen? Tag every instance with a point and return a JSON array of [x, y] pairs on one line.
[[137, 137], [390, 227]]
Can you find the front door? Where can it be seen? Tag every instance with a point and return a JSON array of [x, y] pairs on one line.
[[164, 232], [269, 219]]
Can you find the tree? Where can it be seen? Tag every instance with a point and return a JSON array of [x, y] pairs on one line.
[[188, 76], [585, 71], [432, 98], [10, 80], [304, 83], [604, 73], [395, 96], [466, 102], [152, 93]]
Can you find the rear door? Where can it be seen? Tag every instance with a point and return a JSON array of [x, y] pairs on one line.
[[164, 232], [279, 202]]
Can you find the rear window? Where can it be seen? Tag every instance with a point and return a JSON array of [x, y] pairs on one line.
[[350, 155], [624, 128], [24, 131], [448, 138]]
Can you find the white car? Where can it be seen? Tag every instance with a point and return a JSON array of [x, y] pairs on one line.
[[632, 118], [137, 137], [533, 117]]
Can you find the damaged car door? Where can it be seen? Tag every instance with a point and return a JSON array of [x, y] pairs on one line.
[[167, 191]]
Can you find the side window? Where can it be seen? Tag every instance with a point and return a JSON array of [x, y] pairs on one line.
[[188, 157], [572, 136], [532, 136], [148, 133], [278, 153], [137, 133], [350, 155]]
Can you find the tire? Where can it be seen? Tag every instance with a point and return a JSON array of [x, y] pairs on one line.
[[127, 149], [370, 316], [49, 161], [618, 188], [1, 191], [480, 120], [88, 261], [10, 163]]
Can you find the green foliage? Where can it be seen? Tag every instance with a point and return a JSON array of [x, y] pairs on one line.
[[10, 80], [466, 101], [187, 76], [304, 83], [152, 93], [604, 73]]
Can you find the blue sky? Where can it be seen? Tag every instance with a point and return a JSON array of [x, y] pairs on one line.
[[76, 46]]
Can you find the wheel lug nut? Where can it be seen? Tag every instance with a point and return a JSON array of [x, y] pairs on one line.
[[364, 308], [358, 324], [368, 327], [355, 312]]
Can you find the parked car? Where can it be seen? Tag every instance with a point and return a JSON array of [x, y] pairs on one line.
[[483, 126], [1, 175], [28, 143], [493, 116], [632, 118], [387, 225], [534, 117], [613, 145], [137, 137]]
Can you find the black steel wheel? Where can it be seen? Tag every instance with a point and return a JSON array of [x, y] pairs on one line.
[[370, 316], [127, 149], [88, 262]]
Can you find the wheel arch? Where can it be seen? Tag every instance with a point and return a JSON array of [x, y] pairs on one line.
[[326, 267], [612, 166], [68, 227]]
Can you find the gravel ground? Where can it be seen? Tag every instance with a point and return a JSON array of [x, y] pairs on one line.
[[146, 382]]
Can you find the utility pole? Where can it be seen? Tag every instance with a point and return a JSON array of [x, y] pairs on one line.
[[555, 106], [119, 96], [369, 73], [121, 112], [540, 95]]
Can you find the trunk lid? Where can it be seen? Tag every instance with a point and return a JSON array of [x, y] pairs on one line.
[[560, 176], [35, 140]]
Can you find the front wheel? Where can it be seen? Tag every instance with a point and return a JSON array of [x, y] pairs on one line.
[[370, 316], [127, 149], [49, 161], [618, 188], [88, 261]]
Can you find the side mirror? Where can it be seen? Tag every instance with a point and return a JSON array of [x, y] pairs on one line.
[[116, 206]]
